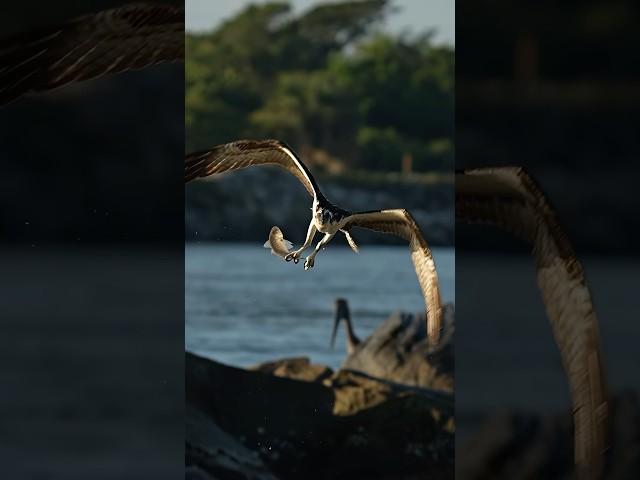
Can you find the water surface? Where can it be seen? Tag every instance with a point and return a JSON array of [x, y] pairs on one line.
[[245, 306]]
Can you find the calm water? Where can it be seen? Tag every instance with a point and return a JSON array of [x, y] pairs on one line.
[[245, 306]]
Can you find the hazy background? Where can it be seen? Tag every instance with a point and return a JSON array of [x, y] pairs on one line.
[[74, 159], [92, 270], [553, 87], [556, 89]]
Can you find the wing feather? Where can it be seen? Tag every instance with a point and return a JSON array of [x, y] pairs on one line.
[[402, 224], [509, 198], [248, 153], [126, 38]]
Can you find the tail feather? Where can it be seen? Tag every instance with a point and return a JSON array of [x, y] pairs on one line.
[[352, 242]]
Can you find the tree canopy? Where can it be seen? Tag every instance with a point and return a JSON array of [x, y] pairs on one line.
[[328, 82]]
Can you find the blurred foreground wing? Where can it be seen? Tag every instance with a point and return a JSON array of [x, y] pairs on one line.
[[248, 153], [277, 243], [511, 199], [111, 41], [401, 223]]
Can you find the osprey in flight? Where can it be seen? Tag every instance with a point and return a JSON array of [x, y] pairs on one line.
[[111, 41], [510, 199], [326, 218]]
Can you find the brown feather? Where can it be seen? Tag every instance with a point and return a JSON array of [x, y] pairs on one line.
[[126, 38], [509, 198], [247, 153], [400, 223]]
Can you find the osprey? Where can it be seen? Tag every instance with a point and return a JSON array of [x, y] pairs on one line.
[[111, 41], [509, 198], [326, 218]]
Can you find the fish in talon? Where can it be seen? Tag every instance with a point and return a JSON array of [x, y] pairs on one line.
[[279, 246]]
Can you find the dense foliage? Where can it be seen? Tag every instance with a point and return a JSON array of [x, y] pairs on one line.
[[327, 82]]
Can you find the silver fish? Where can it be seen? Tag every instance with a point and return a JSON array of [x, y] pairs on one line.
[[277, 243]]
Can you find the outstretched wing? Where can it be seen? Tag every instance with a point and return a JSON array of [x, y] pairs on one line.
[[125, 38], [510, 198], [401, 223], [248, 153]]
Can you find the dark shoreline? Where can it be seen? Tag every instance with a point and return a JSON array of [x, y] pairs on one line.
[[267, 426]]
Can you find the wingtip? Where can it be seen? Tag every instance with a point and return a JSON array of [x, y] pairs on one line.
[[435, 325]]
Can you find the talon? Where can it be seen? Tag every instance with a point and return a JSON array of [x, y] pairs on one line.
[[296, 260], [287, 258]]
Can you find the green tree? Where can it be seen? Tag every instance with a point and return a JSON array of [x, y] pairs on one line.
[[323, 81]]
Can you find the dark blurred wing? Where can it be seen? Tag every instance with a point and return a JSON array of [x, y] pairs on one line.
[[401, 223], [110, 41], [248, 153], [510, 199]]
